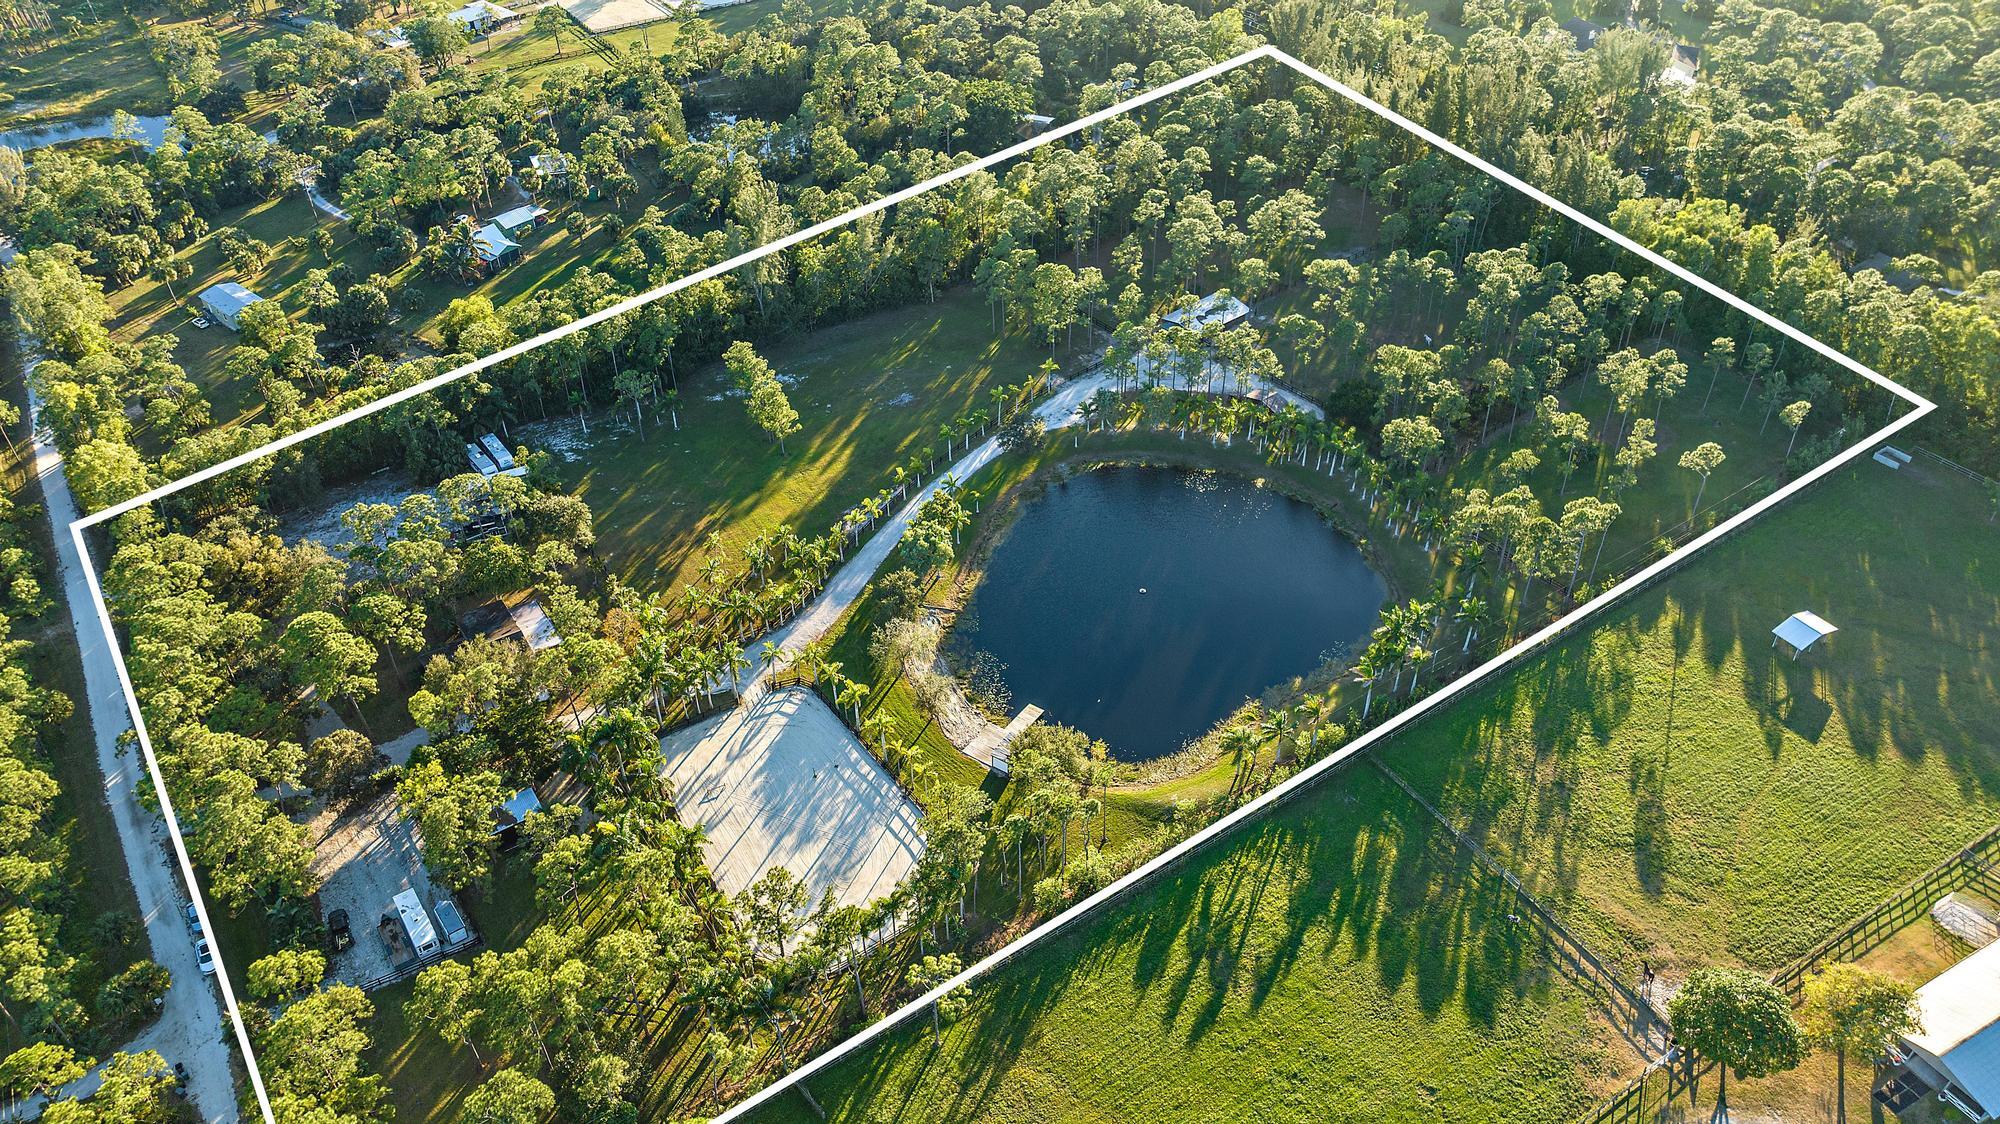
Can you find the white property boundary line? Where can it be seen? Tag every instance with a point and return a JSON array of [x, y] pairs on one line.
[[1921, 406]]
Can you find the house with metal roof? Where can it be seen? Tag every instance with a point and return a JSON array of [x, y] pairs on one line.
[[1215, 308], [225, 302], [482, 16], [526, 217]]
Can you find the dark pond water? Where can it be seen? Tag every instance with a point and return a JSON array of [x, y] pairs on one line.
[[1142, 605]]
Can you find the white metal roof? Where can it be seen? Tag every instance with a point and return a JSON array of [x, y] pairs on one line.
[[1801, 629], [537, 630], [479, 10], [516, 809], [493, 242], [228, 295], [1961, 1015], [1213, 308], [518, 217]]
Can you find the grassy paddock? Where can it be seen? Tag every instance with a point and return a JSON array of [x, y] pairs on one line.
[[1286, 973], [1686, 794], [1780, 800]]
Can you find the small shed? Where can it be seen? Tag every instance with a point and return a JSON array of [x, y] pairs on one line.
[[1683, 63], [1959, 1047], [225, 302], [515, 617], [1215, 308], [1802, 630]]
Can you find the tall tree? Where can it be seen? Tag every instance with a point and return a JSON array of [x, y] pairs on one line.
[[1738, 1020], [1850, 1009]]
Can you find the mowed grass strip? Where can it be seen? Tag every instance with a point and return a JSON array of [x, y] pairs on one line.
[[1338, 960], [1687, 794]]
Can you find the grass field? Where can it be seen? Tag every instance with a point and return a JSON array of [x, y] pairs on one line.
[[870, 393], [1686, 794], [1788, 798], [108, 66], [1287, 974], [529, 57]]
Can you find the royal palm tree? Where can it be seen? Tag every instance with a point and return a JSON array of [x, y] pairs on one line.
[[1276, 730]]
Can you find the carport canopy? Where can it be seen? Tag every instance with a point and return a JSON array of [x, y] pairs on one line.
[[1802, 630]]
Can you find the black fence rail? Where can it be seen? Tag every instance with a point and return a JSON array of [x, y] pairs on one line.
[[410, 968], [1975, 866], [1646, 1099], [1642, 1024]]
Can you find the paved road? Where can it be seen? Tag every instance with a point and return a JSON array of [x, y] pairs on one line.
[[844, 589], [191, 1029]]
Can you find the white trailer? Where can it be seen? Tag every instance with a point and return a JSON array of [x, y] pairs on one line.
[[496, 450], [417, 923], [481, 463]]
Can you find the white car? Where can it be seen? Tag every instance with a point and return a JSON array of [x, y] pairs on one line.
[[204, 957]]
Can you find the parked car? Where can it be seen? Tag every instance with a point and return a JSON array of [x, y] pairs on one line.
[[339, 931], [193, 920], [451, 925], [204, 957]]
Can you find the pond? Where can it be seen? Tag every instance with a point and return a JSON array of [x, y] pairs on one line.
[[1143, 605], [151, 131]]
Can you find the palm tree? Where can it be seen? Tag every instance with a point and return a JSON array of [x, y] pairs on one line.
[[879, 728], [1087, 412], [1366, 670], [1469, 613], [850, 693], [1276, 729], [735, 663]]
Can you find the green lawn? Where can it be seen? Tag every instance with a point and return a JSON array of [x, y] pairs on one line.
[[1686, 794], [108, 66], [1289, 973], [530, 58], [870, 393], [1788, 798]]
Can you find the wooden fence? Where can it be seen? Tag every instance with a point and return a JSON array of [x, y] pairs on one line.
[[1976, 866]]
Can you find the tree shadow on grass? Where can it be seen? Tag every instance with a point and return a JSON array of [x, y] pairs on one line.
[[1353, 872]]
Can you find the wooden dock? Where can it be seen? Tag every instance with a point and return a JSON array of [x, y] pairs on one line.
[[990, 747]]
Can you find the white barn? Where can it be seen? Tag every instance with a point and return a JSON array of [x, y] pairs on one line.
[[482, 16], [1959, 1047]]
